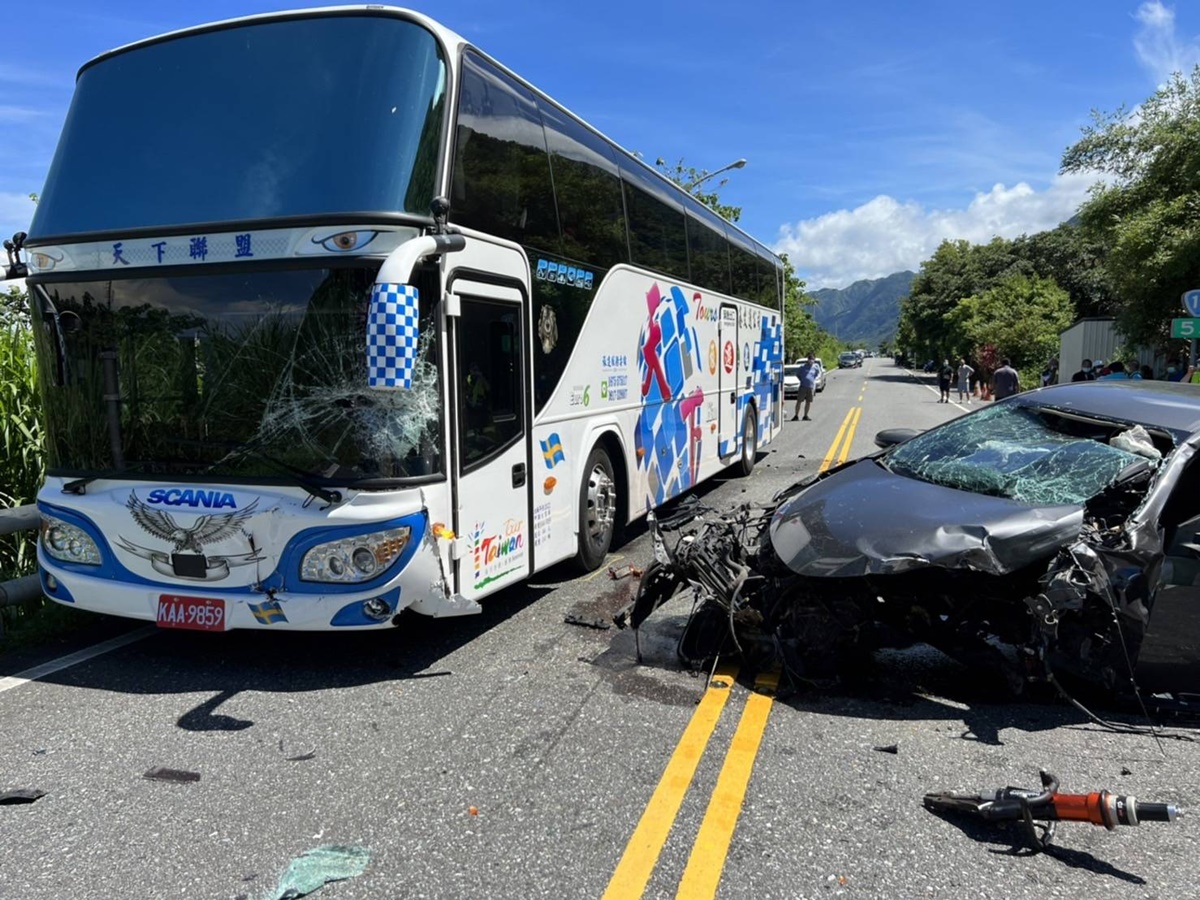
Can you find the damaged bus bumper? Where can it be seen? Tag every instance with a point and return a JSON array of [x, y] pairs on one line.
[[223, 557]]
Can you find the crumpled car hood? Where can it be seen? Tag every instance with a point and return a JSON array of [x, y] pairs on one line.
[[868, 521]]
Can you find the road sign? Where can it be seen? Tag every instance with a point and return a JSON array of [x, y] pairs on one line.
[[1185, 328], [1191, 303]]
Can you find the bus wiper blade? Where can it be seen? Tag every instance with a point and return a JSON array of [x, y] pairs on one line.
[[299, 476], [79, 484]]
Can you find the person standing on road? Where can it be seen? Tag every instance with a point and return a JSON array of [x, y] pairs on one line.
[[1085, 373], [964, 380], [945, 376], [1005, 380], [808, 384]]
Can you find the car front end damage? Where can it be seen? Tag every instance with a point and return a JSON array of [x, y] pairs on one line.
[[844, 563]]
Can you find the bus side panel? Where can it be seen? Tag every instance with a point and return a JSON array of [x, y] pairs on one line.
[[646, 365]]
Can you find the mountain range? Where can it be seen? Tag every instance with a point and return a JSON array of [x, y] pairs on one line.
[[865, 312]]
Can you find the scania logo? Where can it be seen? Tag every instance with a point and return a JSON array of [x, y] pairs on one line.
[[192, 498]]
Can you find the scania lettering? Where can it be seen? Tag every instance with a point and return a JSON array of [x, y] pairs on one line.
[[338, 317]]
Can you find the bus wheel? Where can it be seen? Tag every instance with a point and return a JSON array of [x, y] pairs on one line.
[[745, 464], [597, 510]]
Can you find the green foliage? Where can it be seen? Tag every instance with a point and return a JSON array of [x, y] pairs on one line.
[[20, 428], [1146, 217], [1019, 318], [957, 270]]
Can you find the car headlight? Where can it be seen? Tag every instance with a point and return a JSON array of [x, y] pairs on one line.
[[68, 543], [355, 559]]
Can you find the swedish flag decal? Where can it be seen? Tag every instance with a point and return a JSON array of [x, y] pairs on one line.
[[268, 612], [552, 450]]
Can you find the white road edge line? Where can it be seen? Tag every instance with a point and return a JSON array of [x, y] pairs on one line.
[[71, 659]]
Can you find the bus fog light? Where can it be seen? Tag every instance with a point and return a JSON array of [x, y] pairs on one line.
[[68, 543], [355, 559], [376, 608], [51, 583]]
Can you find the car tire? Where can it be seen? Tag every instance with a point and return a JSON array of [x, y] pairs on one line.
[[597, 510], [749, 455]]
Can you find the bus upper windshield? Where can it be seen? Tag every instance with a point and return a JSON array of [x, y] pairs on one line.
[[254, 375], [304, 116]]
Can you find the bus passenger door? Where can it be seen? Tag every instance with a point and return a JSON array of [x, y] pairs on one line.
[[727, 381], [489, 398]]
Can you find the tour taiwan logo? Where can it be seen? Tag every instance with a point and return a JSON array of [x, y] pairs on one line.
[[186, 557], [496, 555]]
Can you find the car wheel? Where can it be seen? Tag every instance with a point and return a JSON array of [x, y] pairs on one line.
[[745, 464], [597, 510]]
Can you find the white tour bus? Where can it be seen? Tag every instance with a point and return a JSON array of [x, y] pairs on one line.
[[337, 317]]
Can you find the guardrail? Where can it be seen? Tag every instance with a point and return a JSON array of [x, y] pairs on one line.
[[29, 587]]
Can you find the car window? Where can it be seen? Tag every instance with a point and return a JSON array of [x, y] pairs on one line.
[[791, 371], [1015, 452]]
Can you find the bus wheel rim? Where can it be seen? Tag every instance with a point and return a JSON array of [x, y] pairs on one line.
[[601, 500]]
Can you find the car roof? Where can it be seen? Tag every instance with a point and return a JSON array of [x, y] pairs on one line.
[[1163, 404]]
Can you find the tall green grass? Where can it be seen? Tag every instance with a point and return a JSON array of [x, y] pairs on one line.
[[21, 456]]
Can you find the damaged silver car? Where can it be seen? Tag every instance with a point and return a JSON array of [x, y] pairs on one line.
[[1051, 537]]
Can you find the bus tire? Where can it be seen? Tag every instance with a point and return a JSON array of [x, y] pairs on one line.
[[745, 464], [597, 510]]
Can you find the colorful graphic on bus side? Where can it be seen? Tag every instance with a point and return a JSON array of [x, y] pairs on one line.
[[667, 436]]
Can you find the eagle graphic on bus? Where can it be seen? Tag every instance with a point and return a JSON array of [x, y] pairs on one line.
[[667, 436]]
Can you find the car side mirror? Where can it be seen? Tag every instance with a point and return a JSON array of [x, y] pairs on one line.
[[892, 436]]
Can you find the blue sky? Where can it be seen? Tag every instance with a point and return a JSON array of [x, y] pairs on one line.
[[872, 129]]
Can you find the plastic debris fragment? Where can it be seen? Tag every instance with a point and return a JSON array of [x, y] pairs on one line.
[[318, 867], [20, 795], [160, 773]]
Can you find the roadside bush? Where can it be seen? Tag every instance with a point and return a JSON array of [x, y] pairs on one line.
[[21, 466]]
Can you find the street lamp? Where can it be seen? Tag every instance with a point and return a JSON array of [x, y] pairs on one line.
[[736, 164]]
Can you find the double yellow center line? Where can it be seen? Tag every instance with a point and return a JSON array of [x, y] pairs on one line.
[[707, 859], [702, 875]]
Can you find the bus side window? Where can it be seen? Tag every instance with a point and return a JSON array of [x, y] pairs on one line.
[[489, 378], [501, 183]]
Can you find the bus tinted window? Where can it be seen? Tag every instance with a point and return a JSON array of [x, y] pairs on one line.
[[588, 190], [709, 254], [768, 282], [501, 181], [657, 234], [744, 267], [489, 363]]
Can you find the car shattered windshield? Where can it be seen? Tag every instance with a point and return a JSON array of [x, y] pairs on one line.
[[257, 375], [1028, 455]]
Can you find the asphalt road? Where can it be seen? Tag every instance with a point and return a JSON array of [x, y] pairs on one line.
[[516, 755]]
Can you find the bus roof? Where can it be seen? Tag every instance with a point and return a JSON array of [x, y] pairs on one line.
[[451, 40]]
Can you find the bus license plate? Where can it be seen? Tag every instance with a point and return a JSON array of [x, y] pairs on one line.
[[197, 613]]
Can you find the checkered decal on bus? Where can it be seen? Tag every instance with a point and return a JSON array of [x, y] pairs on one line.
[[392, 336]]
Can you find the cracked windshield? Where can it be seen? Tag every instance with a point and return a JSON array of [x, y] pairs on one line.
[[234, 375], [1015, 452]]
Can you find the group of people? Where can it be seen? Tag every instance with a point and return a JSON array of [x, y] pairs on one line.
[[1005, 380]]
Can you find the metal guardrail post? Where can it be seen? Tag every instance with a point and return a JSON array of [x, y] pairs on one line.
[[19, 590], [19, 518]]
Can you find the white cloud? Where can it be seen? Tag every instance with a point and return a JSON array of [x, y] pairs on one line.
[[1158, 47], [884, 235], [16, 212]]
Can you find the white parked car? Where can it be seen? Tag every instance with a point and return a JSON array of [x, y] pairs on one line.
[[791, 379]]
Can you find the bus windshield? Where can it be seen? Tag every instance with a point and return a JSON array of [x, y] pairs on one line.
[[307, 116], [254, 375]]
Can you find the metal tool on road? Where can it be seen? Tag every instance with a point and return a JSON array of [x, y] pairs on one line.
[[1040, 811]]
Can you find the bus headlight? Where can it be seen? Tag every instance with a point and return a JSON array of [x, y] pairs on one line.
[[355, 559], [68, 543]]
